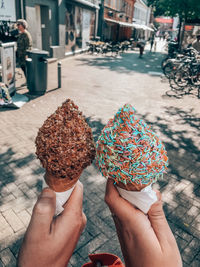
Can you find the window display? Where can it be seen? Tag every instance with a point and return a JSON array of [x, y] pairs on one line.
[[80, 27]]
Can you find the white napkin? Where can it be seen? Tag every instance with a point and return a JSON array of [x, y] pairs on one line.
[[141, 199], [61, 198]]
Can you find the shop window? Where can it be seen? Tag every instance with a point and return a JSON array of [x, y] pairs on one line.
[[108, 2], [92, 26], [80, 27], [73, 33], [110, 13], [118, 5], [113, 4]]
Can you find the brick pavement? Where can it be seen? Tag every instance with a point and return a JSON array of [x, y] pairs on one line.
[[100, 85]]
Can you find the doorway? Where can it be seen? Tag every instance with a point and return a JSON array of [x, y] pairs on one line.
[[45, 27], [42, 27], [38, 28]]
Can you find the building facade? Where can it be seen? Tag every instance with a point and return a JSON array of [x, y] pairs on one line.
[[141, 19], [61, 27], [117, 19]]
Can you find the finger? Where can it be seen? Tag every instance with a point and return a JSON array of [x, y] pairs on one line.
[[43, 212], [75, 202], [72, 211], [84, 221], [159, 223], [118, 206]]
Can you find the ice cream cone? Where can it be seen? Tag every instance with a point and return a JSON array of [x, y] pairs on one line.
[[132, 186], [141, 199], [59, 184]]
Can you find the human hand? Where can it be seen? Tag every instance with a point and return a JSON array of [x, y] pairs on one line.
[[146, 240], [51, 241]]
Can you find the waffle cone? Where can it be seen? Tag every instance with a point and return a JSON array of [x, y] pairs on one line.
[[132, 186], [59, 184]]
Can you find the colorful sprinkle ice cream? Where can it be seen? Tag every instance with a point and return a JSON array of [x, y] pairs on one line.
[[129, 152]]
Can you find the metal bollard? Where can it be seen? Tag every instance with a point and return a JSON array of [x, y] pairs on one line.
[[59, 74]]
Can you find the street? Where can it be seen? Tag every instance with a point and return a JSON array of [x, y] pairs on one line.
[[100, 85]]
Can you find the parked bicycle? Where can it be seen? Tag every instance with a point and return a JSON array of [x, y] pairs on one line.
[[114, 48], [183, 70]]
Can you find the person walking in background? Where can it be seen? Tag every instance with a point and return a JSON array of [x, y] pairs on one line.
[[141, 45], [24, 43], [152, 42], [155, 45], [196, 43]]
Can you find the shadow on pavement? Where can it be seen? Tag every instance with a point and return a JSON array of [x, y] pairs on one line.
[[181, 185], [23, 172], [96, 125], [19, 186], [126, 62], [180, 188]]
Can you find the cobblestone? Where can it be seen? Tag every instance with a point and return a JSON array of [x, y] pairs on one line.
[[24, 216], [7, 258], [13, 220], [6, 231], [93, 245]]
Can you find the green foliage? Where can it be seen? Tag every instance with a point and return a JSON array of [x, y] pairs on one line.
[[186, 9]]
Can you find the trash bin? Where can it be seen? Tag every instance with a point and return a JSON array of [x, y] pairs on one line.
[[37, 71]]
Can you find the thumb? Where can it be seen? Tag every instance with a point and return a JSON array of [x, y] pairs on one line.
[[158, 221], [156, 214], [43, 212]]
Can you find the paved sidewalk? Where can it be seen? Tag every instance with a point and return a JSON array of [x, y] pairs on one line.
[[99, 86]]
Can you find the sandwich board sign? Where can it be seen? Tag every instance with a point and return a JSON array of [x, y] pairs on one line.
[[8, 65]]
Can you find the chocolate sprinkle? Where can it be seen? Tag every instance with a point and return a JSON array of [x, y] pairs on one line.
[[64, 143]]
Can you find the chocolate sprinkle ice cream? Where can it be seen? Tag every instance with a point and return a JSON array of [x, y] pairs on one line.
[[64, 143]]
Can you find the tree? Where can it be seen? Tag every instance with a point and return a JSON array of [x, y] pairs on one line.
[[184, 9]]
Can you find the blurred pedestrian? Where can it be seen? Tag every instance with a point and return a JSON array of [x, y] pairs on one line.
[[196, 43], [24, 43], [152, 42], [141, 45], [155, 46]]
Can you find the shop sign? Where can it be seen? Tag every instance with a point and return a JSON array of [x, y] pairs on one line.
[[8, 64], [7, 10]]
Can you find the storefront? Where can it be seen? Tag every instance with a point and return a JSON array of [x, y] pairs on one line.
[[41, 16], [61, 27], [80, 25], [115, 30]]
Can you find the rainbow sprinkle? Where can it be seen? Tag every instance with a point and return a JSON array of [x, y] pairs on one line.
[[128, 151]]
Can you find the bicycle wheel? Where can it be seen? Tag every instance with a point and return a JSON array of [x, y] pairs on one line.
[[195, 78], [164, 62], [181, 78], [169, 70]]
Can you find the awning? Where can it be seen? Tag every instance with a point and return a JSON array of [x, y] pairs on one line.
[[87, 3], [132, 25], [147, 28], [137, 26], [141, 26], [124, 24]]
